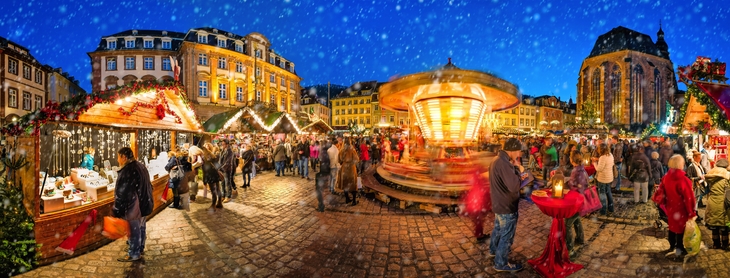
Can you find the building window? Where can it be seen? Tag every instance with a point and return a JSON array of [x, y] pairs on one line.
[[222, 93], [222, 63], [221, 42], [26, 101], [367, 120], [239, 47], [239, 67], [26, 71], [258, 53], [522, 111], [202, 38], [149, 63], [13, 98], [337, 112], [273, 99], [362, 110], [129, 63], [239, 93], [166, 64], [111, 44], [283, 82], [272, 78], [13, 66], [271, 60], [258, 95], [283, 103], [203, 59], [129, 44], [148, 44], [291, 84], [166, 44], [522, 122], [39, 77], [203, 88], [111, 63], [258, 72], [376, 107], [38, 102], [514, 122], [392, 118], [337, 121], [349, 111]]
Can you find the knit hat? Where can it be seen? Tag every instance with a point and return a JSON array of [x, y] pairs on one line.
[[512, 144], [722, 163]]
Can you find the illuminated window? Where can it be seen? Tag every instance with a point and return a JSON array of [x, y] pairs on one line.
[[239, 93], [203, 88], [222, 92], [258, 95]]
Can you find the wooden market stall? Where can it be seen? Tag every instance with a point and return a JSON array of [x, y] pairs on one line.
[[143, 116]]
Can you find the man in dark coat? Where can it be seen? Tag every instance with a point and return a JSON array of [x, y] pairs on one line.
[[133, 201], [504, 181], [280, 154], [228, 167], [617, 149], [303, 151]]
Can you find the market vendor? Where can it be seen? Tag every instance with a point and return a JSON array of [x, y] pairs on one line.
[[88, 161]]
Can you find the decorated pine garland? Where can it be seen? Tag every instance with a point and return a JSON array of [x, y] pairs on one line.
[[648, 131], [75, 106], [719, 119]]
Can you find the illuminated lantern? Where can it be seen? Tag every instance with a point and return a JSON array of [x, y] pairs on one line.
[[449, 104]]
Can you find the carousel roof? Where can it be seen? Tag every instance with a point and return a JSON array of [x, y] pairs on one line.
[[449, 81]]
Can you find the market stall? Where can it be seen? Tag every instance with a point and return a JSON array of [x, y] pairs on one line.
[[58, 193]]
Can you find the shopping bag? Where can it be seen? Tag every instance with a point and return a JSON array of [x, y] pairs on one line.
[[359, 183], [659, 197], [591, 202], [115, 228], [692, 237]]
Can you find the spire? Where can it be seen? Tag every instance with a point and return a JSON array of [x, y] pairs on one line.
[[660, 43]]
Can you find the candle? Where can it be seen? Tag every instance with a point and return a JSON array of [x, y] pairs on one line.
[[558, 189]]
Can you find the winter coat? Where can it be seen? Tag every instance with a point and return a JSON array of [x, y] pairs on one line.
[[640, 168], [314, 151], [172, 163], [604, 169], [247, 158], [304, 149], [665, 152], [280, 153], [295, 153], [679, 199], [504, 182], [375, 152], [578, 179], [87, 162], [210, 171], [364, 152], [184, 185], [333, 152], [324, 161], [657, 172], [694, 174], [133, 186], [227, 161], [717, 211], [618, 153], [549, 155], [348, 159]]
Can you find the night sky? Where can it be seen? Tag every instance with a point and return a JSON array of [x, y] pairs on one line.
[[538, 45]]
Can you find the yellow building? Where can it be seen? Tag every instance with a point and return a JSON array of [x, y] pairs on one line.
[[353, 106], [314, 106], [23, 80], [222, 70], [527, 113], [62, 86]]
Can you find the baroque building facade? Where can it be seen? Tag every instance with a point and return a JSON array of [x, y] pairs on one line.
[[628, 78], [24, 81], [133, 55], [222, 70]]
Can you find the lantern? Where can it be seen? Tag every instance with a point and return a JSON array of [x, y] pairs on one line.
[[558, 189]]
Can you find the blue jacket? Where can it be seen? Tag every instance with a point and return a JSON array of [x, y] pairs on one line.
[[87, 162]]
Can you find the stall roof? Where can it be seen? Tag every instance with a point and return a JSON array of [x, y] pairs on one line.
[[151, 105], [220, 122], [318, 125]]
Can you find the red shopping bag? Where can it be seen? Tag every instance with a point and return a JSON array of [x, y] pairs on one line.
[[591, 201], [115, 228]]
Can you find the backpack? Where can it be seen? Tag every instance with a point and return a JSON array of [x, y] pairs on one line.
[[639, 172]]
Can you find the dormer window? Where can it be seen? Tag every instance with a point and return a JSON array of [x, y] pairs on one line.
[[239, 47], [129, 43], [271, 60], [164, 33], [134, 32], [166, 44], [202, 38], [111, 44], [258, 53], [221, 42], [148, 43]]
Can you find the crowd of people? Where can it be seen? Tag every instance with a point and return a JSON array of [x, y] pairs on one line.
[[676, 177]]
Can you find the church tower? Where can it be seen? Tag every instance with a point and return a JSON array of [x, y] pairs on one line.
[[661, 44]]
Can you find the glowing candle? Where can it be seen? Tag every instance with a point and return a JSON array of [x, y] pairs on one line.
[[558, 189]]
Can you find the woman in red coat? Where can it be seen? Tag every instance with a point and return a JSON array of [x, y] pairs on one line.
[[680, 203]]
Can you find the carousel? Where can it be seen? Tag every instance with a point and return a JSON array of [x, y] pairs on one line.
[[448, 105]]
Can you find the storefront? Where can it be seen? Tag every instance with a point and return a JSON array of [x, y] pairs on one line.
[[58, 193]]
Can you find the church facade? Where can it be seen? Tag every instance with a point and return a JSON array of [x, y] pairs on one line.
[[628, 78]]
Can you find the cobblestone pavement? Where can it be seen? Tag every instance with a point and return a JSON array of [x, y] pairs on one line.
[[272, 230]]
